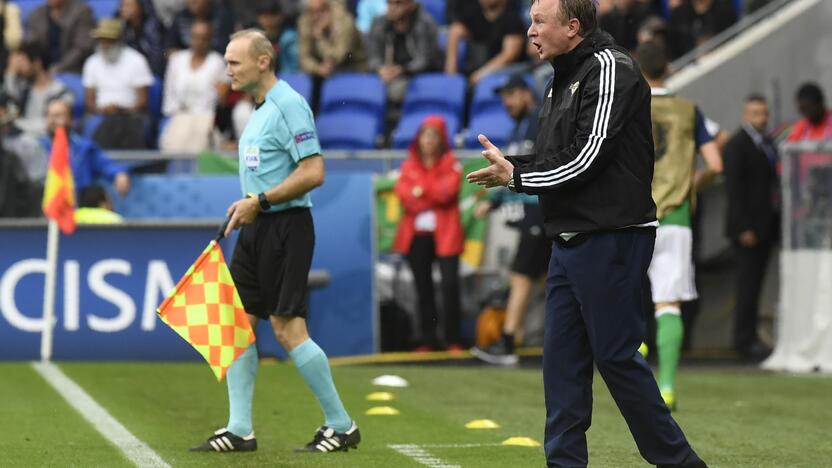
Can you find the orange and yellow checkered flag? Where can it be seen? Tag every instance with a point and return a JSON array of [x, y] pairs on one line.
[[206, 311]]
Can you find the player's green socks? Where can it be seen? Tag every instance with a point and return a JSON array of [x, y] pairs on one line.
[[669, 334], [240, 380], [313, 366]]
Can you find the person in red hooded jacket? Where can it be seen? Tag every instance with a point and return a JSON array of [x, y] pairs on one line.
[[430, 229]]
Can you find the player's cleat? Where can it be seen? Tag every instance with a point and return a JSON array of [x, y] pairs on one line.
[[327, 440], [498, 353], [643, 349], [224, 441], [669, 399]]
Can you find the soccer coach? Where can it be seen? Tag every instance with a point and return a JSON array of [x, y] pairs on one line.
[[592, 168]]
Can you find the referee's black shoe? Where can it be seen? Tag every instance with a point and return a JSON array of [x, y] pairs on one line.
[[224, 441], [327, 440]]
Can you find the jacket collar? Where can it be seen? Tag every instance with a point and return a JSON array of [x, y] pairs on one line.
[[597, 40]]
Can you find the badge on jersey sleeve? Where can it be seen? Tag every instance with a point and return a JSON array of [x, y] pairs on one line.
[[252, 157]]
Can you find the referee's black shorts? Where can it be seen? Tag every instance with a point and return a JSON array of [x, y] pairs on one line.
[[533, 253], [271, 263]]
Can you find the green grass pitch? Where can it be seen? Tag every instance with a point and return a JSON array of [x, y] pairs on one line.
[[733, 417]]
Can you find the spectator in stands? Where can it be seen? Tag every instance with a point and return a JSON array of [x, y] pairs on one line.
[[430, 229], [143, 32], [329, 40], [12, 30], [116, 79], [23, 145], [401, 43], [62, 28], [623, 21], [816, 123], [284, 39], [750, 221], [215, 12], [86, 159], [194, 86], [166, 10], [495, 35], [95, 207], [30, 84], [367, 11], [522, 212], [695, 21], [653, 29]]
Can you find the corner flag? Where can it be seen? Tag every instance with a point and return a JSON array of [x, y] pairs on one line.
[[59, 191], [206, 311]]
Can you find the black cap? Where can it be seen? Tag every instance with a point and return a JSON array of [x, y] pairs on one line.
[[516, 81]]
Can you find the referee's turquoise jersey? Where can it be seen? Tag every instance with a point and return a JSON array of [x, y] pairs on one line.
[[280, 132]]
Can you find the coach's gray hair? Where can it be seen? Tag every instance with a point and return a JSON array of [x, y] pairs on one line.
[[259, 45]]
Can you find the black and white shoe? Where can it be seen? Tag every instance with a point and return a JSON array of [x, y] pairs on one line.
[[327, 440], [224, 441], [499, 353]]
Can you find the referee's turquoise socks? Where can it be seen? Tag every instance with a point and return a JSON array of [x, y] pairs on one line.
[[240, 380], [311, 361]]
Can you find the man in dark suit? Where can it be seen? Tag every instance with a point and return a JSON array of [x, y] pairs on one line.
[[751, 222], [62, 28]]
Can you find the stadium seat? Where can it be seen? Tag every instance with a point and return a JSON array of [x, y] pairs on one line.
[[103, 8], [484, 99], [76, 86], [360, 93], [435, 92], [496, 125], [91, 123], [409, 124], [436, 8], [154, 98], [347, 130], [462, 48], [300, 82]]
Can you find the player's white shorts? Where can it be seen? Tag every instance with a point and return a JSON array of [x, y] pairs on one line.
[[671, 271]]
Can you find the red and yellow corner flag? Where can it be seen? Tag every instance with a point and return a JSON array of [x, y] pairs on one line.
[[207, 312], [59, 192]]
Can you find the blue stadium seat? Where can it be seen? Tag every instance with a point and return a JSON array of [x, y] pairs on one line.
[[300, 82], [154, 98], [409, 124], [26, 7], [484, 99], [435, 92], [91, 123], [361, 93], [495, 125], [437, 9], [347, 130], [103, 8], [462, 48], [75, 85]]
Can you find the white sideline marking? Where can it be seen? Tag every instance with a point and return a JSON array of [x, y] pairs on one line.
[[420, 455], [460, 445], [134, 449]]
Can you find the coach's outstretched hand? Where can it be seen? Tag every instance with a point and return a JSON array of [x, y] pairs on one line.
[[500, 171]]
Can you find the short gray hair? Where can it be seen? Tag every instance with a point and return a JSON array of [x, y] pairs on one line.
[[260, 44], [583, 11]]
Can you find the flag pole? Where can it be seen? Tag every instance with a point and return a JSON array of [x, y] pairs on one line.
[[49, 291]]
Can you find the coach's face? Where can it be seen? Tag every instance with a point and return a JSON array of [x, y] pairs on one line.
[[241, 66], [548, 33]]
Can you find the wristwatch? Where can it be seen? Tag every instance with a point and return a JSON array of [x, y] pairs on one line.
[[264, 202], [510, 184]]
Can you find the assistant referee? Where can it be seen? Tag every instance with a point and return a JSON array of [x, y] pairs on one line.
[[280, 162]]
